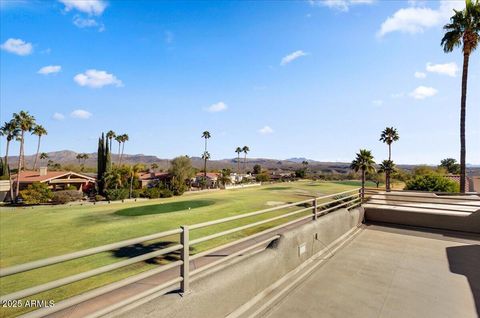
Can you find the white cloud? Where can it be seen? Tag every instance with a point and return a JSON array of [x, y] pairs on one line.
[[416, 19], [377, 102], [398, 95], [87, 23], [342, 5], [50, 69], [81, 114], [422, 92], [449, 69], [420, 75], [96, 79], [217, 107], [91, 7], [17, 46], [292, 57], [266, 130], [58, 116]]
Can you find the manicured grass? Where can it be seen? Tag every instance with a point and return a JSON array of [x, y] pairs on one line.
[[165, 207], [28, 234]]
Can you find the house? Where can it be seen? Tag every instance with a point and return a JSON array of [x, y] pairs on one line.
[[56, 180], [211, 180], [152, 178], [469, 182]]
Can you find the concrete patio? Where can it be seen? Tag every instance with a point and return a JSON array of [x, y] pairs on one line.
[[388, 271]]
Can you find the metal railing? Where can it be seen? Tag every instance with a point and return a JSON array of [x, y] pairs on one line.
[[441, 201], [317, 206]]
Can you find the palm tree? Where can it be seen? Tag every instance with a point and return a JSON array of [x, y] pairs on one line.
[[133, 171], [113, 178], [463, 31], [43, 156], [124, 140], [205, 157], [206, 135], [238, 151], [119, 140], [388, 136], [387, 166], [25, 122], [364, 162], [39, 131], [110, 136], [11, 131], [245, 150]]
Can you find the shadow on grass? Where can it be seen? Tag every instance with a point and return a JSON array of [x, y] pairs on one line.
[[277, 188], [141, 249], [165, 207]]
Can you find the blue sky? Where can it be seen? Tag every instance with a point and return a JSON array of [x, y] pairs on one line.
[[315, 79]]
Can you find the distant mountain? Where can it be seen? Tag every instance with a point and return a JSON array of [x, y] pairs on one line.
[[68, 157]]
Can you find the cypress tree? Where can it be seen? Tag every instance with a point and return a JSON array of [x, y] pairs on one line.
[[107, 158], [101, 163]]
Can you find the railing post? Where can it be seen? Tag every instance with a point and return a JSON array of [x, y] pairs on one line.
[[185, 257], [315, 209]]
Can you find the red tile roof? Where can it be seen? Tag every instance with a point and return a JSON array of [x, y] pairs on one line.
[[34, 176], [153, 175]]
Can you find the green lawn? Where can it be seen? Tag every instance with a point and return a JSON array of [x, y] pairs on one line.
[[28, 234]]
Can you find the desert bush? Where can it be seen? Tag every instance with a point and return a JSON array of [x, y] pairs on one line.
[[66, 196], [116, 194], [432, 182], [36, 193], [166, 193]]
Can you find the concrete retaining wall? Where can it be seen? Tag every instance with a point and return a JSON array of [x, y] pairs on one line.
[[220, 293], [465, 222]]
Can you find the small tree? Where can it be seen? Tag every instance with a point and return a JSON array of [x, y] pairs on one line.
[[388, 167], [257, 169], [450, 165], [363, 162], [181, 170], [36, 193]]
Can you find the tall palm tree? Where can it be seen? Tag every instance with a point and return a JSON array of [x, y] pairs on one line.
[[25, 122], [238, 151], [205, 157], [39, 131], [124, 140], [110, 136], [206, 135], [388, 167], [119, 140], [364, 162], [245, 150], [11, 131], [463, 31], [388, 136]]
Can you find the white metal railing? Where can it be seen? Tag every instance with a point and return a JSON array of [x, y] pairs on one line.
[[349, 199]]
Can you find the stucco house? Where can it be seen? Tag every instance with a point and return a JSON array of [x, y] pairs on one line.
[[56, 180]]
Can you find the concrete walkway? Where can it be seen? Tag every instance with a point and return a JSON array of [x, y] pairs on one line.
[[391, 272], [88, 307]]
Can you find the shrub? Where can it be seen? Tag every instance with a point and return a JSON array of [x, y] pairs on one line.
[[116, 194], [137, 193], [166, 193], [71, 187], [99, 197], [65, 196], [36, 193], [432, 182], [151, 193]]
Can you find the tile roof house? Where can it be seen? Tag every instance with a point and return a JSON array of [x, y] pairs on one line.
[[147, 178], [56, 180]]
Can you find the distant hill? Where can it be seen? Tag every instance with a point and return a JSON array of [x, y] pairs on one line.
[[68, 157]]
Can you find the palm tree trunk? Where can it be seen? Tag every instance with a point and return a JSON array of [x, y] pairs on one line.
[[17, 188], [123, 149], [38, 151], [389, 151], [8, 170], [131, 187], [463, 106], [238, 164], [245, 164], [119, 161], [387, 181]]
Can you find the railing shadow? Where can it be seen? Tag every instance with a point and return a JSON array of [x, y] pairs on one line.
[[465, 260], [140, 249]]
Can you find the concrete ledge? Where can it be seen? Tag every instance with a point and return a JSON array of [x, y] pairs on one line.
[[222, 292], [465, 222]]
